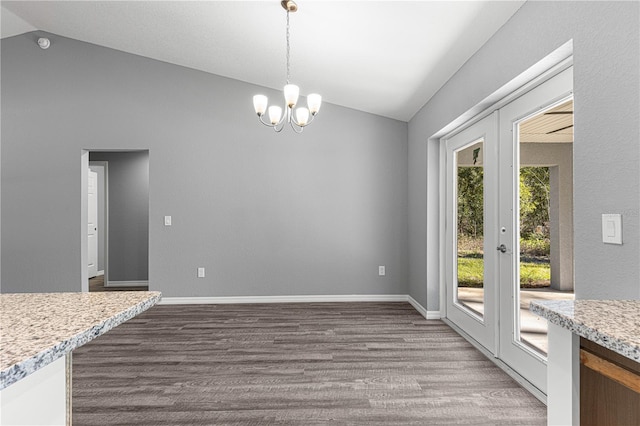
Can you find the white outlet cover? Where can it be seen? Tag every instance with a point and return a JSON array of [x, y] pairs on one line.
[[200, 272], [612, 228], [381, 271], [167, 221]]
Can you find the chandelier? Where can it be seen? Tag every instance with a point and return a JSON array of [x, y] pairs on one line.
[[299, 118]]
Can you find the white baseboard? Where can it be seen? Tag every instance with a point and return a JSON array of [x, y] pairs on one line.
[[126, 283], [304, 299], [286, 299], [100, 273], [434, 315], [422, 310], [417, 306]]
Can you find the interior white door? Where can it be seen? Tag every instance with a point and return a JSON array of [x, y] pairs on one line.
[[523, 358], [92, 224], [472, 174]]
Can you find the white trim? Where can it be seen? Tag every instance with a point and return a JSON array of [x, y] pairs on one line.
[[126, 283], [497, 361], [442, 220], [434, 315], [105, 194], [285, 299], [430, 315], [417, 306], [84, 218], [553, 64], [100, 273]]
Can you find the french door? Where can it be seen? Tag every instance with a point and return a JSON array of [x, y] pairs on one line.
[[471, 260], [483, 185]]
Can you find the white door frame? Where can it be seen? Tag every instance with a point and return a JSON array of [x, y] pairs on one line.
[[84, 214], [92, 224], [105, 195], [84, 165], [554, 68]]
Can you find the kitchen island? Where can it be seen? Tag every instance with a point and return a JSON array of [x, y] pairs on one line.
[[597, 341], [38, 332]]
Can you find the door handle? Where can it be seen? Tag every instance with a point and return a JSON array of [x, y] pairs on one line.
[[502, 248]]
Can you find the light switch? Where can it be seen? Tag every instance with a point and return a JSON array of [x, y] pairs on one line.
[[167, 221], [612, 228], [200, 272]]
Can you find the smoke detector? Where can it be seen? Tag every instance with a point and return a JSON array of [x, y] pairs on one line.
[[44, 43]]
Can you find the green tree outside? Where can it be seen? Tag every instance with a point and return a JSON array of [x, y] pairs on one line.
[[534, 226]]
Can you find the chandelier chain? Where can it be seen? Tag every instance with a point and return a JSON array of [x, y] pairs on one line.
[[288, 49]]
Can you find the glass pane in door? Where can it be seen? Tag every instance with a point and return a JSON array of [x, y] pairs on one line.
[[545, 188], [470, 227]]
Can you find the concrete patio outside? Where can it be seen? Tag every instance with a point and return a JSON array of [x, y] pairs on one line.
[[533, 329]]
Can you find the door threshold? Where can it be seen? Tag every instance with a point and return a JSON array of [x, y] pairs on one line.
[[541, 396]]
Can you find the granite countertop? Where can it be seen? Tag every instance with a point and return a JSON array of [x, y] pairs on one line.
[[613, 324], [38, 328]]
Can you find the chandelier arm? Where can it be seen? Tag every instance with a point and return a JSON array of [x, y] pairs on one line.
[[296, 127], [294, 124], [311, 118], [266, 123]]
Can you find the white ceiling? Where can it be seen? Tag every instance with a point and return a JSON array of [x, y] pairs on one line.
[[383, 57]]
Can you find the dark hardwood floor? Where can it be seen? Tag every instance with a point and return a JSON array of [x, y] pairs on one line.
[[97, 284], [294, 364]]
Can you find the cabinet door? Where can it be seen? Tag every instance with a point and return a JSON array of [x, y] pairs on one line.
[[609, 387]]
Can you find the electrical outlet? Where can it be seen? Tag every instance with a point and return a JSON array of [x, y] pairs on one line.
[[167, 221], [382, 271], [200, 272]]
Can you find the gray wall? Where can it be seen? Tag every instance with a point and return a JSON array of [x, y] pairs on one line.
[[128, 214], [264, 213], [606, 150]]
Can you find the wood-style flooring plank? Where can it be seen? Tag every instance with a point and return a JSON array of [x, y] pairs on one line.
[[291, 364]]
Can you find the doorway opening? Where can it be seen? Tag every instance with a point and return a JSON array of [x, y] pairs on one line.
[[508, 185], [118, 254], [545, 218]]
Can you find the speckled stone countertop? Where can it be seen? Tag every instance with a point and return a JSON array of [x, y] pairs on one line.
[[38, 328], [613, 324]]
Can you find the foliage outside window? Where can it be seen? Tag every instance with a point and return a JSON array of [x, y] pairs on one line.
[[534, 226]]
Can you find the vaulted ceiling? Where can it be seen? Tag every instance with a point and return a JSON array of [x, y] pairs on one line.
[[384, 57]]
